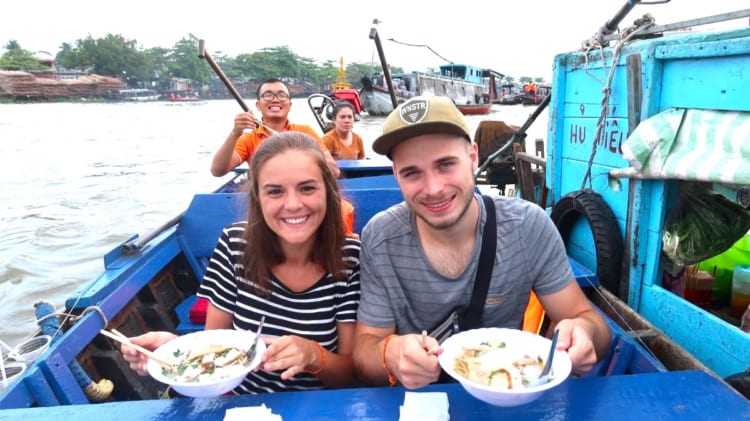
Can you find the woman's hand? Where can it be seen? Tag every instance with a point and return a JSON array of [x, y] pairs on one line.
[[150, 341], [293, 354]]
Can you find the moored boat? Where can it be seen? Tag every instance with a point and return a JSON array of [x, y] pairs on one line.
[[342, 90], [672, 117], [137, 95], [149, 283], [191, 96], [471, 88], [464, 84], [475, 109]]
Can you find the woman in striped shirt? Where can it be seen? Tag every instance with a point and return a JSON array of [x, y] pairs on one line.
[[291, 263]]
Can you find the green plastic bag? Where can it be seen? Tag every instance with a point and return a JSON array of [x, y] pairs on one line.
[[703, 225]]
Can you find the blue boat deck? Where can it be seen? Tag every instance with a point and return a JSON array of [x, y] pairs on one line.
[[685, 395]]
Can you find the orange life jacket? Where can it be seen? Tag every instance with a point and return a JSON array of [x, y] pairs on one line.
[[534, 315]]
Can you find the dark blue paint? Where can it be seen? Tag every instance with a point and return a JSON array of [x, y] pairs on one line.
[[675, 395]]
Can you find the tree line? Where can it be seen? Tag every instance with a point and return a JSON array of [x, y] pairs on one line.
[[117, 56]]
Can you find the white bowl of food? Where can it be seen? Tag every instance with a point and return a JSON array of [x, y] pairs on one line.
[[495, 364], [206, 363]]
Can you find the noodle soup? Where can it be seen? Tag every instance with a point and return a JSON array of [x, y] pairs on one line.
[[494, 364]]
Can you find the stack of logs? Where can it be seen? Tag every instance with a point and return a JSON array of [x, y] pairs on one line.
[[25, 85]]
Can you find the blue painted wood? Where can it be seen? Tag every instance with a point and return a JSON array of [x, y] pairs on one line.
[[368, 202], [584, 276], [127, 280], [683, 395], [128, 266], [202, 222], [359, 167], [183, 315], [39, 389], [690, 70], [374, 182], [709, 337]]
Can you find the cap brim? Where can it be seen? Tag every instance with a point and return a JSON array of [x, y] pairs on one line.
[[385, 143]]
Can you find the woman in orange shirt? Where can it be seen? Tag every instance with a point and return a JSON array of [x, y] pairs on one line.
[[341, 141]]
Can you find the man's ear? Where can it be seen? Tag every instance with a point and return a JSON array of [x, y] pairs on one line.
[[474, 154]]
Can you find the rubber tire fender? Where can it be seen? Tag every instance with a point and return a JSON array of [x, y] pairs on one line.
[[604, 227]]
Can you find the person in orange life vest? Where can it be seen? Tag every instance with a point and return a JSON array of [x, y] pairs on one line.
[[341, 141], [274, 104]]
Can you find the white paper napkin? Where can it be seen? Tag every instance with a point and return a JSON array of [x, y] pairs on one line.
[[424, 406], [255, 413]]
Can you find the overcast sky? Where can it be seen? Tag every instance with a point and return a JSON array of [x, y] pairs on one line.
[[519, 38]]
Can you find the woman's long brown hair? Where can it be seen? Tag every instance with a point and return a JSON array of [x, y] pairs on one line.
[[263, 250]]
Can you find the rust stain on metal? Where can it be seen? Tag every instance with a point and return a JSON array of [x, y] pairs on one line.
[[634, 256]]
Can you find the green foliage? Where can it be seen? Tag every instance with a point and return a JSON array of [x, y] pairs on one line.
[[183, 61], [16, 58], [115, 55]]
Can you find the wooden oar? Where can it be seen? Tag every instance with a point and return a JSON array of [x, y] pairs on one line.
[[202, 53], [119, 337]]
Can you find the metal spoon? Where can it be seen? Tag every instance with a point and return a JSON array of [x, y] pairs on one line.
[[544, 376], [251, 352]]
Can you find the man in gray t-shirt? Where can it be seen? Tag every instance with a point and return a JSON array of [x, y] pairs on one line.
[[419, 258]]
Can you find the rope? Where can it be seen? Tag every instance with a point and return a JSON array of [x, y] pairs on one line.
[[89, 309], [421, 45], [622, 320], [596, 42], [47, 317]]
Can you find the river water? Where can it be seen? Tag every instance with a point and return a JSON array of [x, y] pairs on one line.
[[78, 179]]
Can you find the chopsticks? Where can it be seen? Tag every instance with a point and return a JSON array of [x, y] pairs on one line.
[[430, 351], [119, 337]]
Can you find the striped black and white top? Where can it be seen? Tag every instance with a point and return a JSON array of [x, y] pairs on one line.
[[311, 314]]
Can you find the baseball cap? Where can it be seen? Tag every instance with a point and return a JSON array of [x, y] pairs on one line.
[[417, 116]]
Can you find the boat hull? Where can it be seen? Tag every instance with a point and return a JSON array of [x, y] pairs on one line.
[[475, 109], [473, 97], [151, 286]]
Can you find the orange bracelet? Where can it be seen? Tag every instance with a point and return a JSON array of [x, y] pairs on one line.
[[391, 377], [322, 360]]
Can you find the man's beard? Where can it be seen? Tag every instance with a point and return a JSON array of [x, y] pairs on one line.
[[450, 223]]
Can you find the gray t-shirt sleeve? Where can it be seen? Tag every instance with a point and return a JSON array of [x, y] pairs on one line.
[[375, 304]]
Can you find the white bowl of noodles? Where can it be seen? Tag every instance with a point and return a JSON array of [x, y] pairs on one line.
[[494, 364], [208, 363]]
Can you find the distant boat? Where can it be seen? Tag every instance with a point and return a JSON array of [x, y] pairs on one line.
[[342, 90], [471, 88], [535, 94], [188, 97], [137, 95], [475, 109]]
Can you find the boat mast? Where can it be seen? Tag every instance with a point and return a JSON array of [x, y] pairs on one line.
[[386, 72]]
